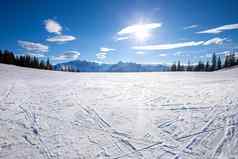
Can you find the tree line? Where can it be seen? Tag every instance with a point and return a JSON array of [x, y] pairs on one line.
[[213, 65], [216, 63], [8, 57]]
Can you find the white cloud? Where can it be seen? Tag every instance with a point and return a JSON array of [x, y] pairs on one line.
[[122, 38], [104, 49], [215, 41], [219, 29], [31, 46], [140, 52], [190, 27], [69, 55], [168, 46], [61, 38], [101, 55], [162, 55], [52, 26], [139, 27]]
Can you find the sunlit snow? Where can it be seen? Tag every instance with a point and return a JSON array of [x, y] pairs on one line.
[[49, 114]]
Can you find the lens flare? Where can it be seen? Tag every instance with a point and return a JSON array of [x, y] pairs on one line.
[[141, 33]]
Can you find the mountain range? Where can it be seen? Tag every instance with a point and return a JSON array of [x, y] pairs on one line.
[[87, 66]]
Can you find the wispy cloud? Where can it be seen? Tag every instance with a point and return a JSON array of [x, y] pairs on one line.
[[103, 52], [140, 52], [69, 55], [162, 55], [135, 28], [168, 46], [122, 38], [53, 26], [31, 46], [101, 55], [104, 49], [190, 27], [215, 41], [61, 38], [219, 29]]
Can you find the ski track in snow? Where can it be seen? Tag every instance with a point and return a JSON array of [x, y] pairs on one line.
[[54, 115]]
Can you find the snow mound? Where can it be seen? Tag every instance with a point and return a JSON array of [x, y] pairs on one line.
[[48, 114]]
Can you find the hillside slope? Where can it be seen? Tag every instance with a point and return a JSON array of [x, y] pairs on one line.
[[47, 114]]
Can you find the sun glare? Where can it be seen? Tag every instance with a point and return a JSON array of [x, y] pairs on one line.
[[141, 33]]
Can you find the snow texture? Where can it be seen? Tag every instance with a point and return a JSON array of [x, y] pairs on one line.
[[59, 115]]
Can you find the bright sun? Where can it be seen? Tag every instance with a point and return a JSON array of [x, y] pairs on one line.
[[141, 33]]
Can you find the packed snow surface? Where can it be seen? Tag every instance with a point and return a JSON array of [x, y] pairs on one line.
[[47, 114]]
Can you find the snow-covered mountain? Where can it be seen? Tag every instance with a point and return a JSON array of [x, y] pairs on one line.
[[166, 115], [86, 66]]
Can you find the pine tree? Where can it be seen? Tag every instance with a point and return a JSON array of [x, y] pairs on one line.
[[189, 67], [179, 66], [42, 64], [226, 63], [214, 59], [1, 56], [48, 65], [219, 63], [182, 68], [173, 67], [232, 59], [200, 66], [207, 67], [36, 62]]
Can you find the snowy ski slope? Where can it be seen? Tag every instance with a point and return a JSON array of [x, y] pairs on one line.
[[60, 115]]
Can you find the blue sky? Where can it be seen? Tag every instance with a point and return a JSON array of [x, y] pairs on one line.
[[142, 31]]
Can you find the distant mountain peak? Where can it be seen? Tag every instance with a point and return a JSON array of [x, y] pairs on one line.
[[88, 66]]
